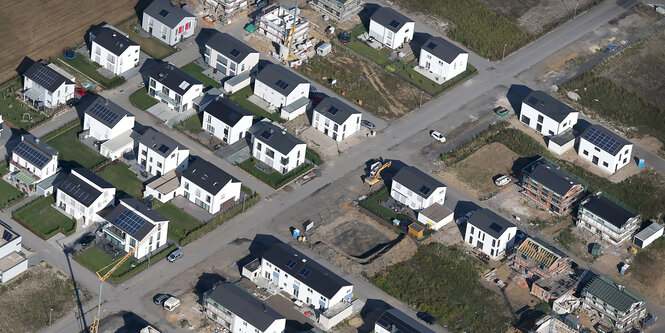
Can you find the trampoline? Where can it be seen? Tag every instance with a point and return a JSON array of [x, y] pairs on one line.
[[129, 156], [70, 54]]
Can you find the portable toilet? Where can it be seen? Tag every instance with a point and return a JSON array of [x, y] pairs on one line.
[[416, 230], [594, 249], [296, 233], [323, 49], [640, 163]]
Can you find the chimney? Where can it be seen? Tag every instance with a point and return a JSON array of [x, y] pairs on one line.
[[304, 260], [283, 132], [37, 140]]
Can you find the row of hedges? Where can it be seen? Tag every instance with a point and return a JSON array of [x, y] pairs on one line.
[[313, 156], [371, 203], [64, 128], [275, 180], [153, 259], [19, 216]]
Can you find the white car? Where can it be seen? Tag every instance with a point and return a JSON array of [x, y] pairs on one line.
[[438, 136], [502, 180]]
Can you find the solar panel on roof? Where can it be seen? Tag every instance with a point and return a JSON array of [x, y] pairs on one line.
[[281, 84], [235, 52], [129, 221], [291, 264], [304, 272], [163, 148], [394, 24], [183, 85], [431, 46], [496, 227], [7, 235], [424, 190], [163, 13], [103, 113], [76, 192], [32, 154], [602, 140], [333, 110], [44, 76], [533, 100], [266, 135]]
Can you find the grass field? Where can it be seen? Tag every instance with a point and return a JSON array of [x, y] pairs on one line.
[[72, 152], [150, 46], [14, 111], [192, 124], [124, 179], [274, 179], [9, 194], [429, 86], [142, 100], [95, 259], [43, 29], [378, 56], [444, 282], [44, 220], [180, 223], [197, 72], [89, 69], [240, 98]]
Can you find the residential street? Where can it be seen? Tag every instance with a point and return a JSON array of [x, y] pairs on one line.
[[402, 139]]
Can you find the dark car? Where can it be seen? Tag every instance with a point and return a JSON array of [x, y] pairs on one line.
[[160, 298], [73, 102], [344, 37], [368, 124], [426, 317], [316, 100]]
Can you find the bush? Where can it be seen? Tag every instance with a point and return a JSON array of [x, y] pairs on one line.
[[566, 237], [275, 179], [313, 156]]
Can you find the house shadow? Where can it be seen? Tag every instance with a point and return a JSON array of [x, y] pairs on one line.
[[257, 247], [140, 6], [519, 164], [86, 37], [294, 326], [460, 210], [203, 37], [24, 65], [147, 65], [205, 282], [366, 13], [516, 94], [371, 311], [419, 39]]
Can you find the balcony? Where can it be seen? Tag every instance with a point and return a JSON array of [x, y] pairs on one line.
[[168, 99]]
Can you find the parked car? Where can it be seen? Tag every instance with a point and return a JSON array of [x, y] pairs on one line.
[[160, 298], [73, 102], [81, 91], [344, 37], [175, 255], [426, 317], [171, 303], [437, 136], [368, 124], [502, 180], [501, 111], [316, 100]]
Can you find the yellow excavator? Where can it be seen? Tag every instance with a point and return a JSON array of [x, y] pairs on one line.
[[114, 265], [375, 171]]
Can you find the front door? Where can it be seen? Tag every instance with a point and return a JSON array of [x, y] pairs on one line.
[[594, 160]]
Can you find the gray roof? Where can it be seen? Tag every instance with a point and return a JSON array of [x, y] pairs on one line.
[[142, 226], [107, 112], [279, 78], [79, 190], [166, 12], [292, 262], [277, 138], [229, 46], [226, 111], [608, 210], [244, 305], [417, 181], [647, 232], [45, 76], [172, 77], [605, 139], [396, 321], [35, 151], [442, 49], [547, 173], [390, 18], [335, 110], [564, 137], [489, 222], [112, 40], [609, 292], [207, 176], [548, 105], [159, 142]]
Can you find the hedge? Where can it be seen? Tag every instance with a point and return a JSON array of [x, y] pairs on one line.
[[313, 156], [276, 181]]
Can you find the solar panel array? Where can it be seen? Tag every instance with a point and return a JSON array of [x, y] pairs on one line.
[[290, 264], [304, 272], [163, 13], [266, 135], [31, 154], [424, 189], [6, 235], [394, 24], [333, 110], [602, 140], [163, 148], [44, 76], [75, 191], [235, 52], [496, 227], [102, 112], [533, 100], [129, 221], [431, 46], [281, 84]]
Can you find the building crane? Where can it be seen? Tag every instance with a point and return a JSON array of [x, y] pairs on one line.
[[95, 325], [289, 39]]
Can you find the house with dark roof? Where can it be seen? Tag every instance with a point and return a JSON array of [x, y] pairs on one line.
[[32, 162], [114, 50], [12, 260], [442, 59], [543, 182], [133, 225], [546, 114], [604, 148], [336, 119], [226, 120], [209, 187], [158, 153], [396, 321], [82, 194], [416, 189], [390, 28], [282, 89], [45, 85], [490, 232], [238, 311], [615, 305], [339, 10], [170, 84], [612, 220], [111, 125], [303, 278], [229, 55], [278, 148], [167, 22]]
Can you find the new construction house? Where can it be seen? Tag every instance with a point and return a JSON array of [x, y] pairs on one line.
[[340, 10], [613, 221], [275, 23], [543, 182], [614, 305]]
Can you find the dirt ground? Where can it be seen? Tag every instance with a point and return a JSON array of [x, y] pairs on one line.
[[41, 29]]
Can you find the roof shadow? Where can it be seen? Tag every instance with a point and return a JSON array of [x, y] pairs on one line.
[[516, 94]]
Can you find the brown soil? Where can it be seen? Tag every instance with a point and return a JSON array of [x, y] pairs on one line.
[[41, 29]]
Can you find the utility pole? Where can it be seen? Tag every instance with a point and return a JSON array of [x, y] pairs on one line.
[[575, 13], [504, 52], [49, 316], [421, 99]]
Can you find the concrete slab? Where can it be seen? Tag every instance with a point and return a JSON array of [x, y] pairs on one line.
[[192, 209], [162, 111], [429, 75]]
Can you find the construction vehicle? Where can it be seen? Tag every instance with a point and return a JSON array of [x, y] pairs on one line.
[[375, 171], [114, 265]]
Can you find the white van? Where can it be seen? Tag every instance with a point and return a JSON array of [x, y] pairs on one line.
[[171, 303], [503, 180]]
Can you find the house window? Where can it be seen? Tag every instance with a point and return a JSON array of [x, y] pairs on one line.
[[159, 164], [258, 146], [526, 120], [270, 153], [209, 118], [472, 230], [187, 25], [152, 83], [198, 192], [132, 242], [586, 153], [285, 160], [207, 198], [540, 118], [186, 186], [605, 164]]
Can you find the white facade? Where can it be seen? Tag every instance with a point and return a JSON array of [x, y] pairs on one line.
[[337, 132], [279, 99], [227, 66], [603, 159], [155, 238], [415, 200], [78, 210], [51, 99], [648, 235], [211, 202], [117, 64], [391, 39], [171, 36], [226, 132], [440, 67], [281, 162], [175, 101], [276, 23], [12, 262], [544, 124], [102, 132], [157, 165], [493, 247], [17, 163]]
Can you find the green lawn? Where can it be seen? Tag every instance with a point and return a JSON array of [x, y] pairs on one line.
[[13, 111], [9, 194], [192, 124], [378, 56], [313, 156], [72, 152], [123, 179], [274, 179], [197, 72], [89, 69], [44, 220], [240, 98], [429, 86], [151, 46], [142, 100], [180, 223], [95, 259]]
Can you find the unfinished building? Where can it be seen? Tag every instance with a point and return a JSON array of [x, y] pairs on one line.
[[616, 306], [228, 7], [339, 10], [543, 182], [276, 23]]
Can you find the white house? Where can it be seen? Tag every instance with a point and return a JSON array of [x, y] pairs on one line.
[[435, 216], [132, 225], [490, 232], [47, 85], [391, 28], [114, 50], [604, 148], [159, 154], [336, 119], [416, 189], [229, 55], [303, 278], [283, 89], [32, 161], [226, 120], [167, 22], [393, 321], [613, 221], [171, 85], [239, 312], [442, 58], [82, 194], [547, 114], [278, 149], [12, 260], [111, 125], [209, 187]]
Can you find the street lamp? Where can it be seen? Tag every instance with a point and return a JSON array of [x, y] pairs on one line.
[[575, 13], [504, 52], [49, 316]]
